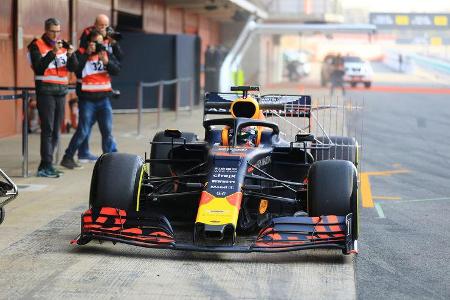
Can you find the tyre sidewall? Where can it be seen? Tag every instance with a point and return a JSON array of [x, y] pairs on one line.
[[115, 181], [330, 188], [333, 190]]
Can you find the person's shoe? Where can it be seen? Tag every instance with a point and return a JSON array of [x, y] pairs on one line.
[[57, 171], [90, 158], [47, 173], [70, 163]]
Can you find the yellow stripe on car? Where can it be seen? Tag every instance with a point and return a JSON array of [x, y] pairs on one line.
[[141, 177]]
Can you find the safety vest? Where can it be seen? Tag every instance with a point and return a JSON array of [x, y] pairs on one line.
[[95, 77], [56, 71]]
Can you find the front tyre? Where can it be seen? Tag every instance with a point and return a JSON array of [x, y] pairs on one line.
[[333, 190], [116, 180]]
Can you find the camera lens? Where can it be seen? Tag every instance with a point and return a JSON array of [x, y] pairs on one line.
[[65, 44], [99, 47]]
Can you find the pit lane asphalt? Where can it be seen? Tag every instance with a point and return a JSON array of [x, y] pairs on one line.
[[406, 255], [37, 261], [404, 245]]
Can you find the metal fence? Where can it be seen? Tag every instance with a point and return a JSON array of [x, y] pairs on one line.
[[24, 93], [161, 84]]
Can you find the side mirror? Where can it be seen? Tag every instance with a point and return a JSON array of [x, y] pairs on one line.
[[172, 133]]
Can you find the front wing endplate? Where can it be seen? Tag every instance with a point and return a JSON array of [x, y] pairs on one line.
[[118, 225]]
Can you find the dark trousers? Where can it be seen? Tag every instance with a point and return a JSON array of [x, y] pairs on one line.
[[51, 113], [91, 111], [338, 84], [337, 80]]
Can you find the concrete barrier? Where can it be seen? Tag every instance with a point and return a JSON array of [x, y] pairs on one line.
[[432, 64]]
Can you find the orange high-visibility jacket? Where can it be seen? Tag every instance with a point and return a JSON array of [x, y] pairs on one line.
[[56, 71], [95, 77]]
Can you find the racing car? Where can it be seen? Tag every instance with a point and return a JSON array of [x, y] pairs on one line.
[[242, 188], [8, 191]]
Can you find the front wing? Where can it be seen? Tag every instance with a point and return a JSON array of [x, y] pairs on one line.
[[281, 235]]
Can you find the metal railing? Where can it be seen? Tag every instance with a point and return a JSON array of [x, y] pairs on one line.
[[25, 94], [160, 84]]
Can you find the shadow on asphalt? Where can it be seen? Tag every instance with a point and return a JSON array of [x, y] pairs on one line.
[[307, 256]]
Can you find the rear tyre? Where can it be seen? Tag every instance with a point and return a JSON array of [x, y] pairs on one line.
[[162, 151], [367, 84], [353, 84], [176, 208], [333, 190], [346, 148], [115, 181]]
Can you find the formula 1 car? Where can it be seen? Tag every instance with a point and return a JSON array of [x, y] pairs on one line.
[[8, 191], [243, 188]]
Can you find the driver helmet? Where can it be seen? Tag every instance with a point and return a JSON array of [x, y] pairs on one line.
[[247, 136]]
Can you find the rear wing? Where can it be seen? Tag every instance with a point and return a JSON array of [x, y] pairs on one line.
[[282, 105]]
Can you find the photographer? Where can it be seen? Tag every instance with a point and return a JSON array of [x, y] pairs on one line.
[[110, 37], [337, 75], [96, 65], [51, 60], [110, 41]]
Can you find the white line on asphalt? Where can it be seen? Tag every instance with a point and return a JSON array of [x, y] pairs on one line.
[[128, 134], [132, 135], [421, 200], [31, 187], [379, 211]]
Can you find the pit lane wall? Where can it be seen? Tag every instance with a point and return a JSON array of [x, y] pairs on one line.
[[410, 61], [431, 64]]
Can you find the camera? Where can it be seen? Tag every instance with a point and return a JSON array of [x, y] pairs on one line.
[[99, 47], [110, 32], [65, 44]]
